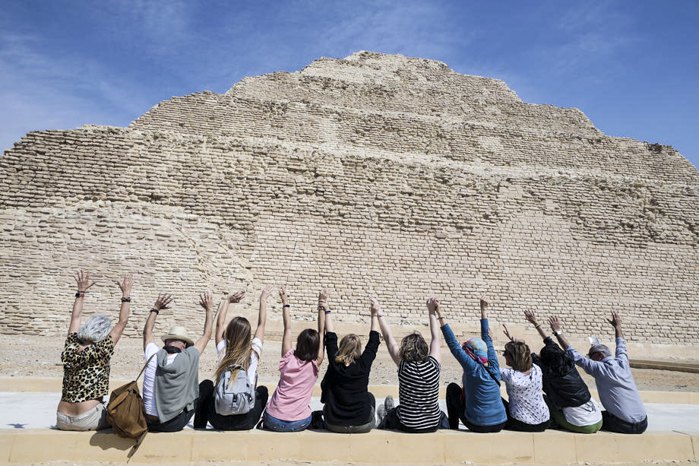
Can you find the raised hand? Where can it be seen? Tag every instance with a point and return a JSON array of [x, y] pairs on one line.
[[266, 291], [484, 304], [531, 317], [555, 323], [433, 305], [506, 332], [163, 302], [125, 285], [283, 296], [323, 298], [236, 297], [615, 321], [206, 300], [83, 281], [374, 306]]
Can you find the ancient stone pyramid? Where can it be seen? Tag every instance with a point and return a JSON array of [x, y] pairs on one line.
[[370, 174]]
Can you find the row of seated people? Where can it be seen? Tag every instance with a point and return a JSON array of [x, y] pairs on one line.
[[544, 390]]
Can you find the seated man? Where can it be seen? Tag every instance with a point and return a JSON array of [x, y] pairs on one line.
[[171, 378], [617, 390]]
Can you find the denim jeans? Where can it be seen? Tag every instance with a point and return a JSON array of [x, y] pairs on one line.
[[270, 422]]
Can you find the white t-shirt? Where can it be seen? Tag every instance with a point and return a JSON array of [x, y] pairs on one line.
[[584, 415], [525, 395], [254, 358], [149, 377]]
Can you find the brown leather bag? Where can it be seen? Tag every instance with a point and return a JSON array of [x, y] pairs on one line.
[[125, 412]]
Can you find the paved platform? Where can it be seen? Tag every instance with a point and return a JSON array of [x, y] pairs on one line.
[[26, 437]]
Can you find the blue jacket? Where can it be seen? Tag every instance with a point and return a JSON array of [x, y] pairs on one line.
[[481, 392]]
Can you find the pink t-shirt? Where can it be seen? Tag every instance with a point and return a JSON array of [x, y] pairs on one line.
[[291, 399]]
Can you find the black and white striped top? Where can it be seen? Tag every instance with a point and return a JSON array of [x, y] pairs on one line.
[[418, 389]]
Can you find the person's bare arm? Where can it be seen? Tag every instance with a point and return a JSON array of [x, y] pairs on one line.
[[163, 302], [83, 281], [262, 314], [206, 301], [556, 327], [125, 310], [323, 303], [323, 311], [374, 310], [391, 343], [223, 314], [286, 319], [436, 340], [531, 318]]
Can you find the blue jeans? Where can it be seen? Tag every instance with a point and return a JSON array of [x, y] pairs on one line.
[[270, 422]]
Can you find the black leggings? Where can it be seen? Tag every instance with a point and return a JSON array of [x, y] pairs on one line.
[[206, 410], [456, 409]]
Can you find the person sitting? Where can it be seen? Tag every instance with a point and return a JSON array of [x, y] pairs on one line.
[[567, 396], [349, 406], [478, 404], [171, 378], [526, 408], [86, 356], [624, 410], [418, 378], [237, 351], [289, 408]]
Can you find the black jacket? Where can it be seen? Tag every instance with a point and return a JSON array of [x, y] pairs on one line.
[[566, 389]]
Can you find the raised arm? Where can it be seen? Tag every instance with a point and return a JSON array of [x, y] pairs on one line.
[[163, 302], [223, 314], [436, 340], [323, 312], [556, 328], [207, 302], [374, 310], [262, 314], [391, 344], [83, 281], [615, 322], [323, 303], [125, 287], [531, 318], [286, 318]]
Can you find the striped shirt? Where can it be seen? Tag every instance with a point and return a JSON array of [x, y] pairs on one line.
[[418, 389]]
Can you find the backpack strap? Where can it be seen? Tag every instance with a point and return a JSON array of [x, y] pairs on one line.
[[145, 365]]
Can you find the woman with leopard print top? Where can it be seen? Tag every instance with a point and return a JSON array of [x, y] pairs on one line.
[[86, 356]]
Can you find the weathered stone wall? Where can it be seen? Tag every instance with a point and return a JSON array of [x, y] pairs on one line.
[[374, 174]]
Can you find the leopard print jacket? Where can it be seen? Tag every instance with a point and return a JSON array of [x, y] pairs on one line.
[[86, 372]]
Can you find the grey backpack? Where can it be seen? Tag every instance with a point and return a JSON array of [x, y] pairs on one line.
[[234, 396]]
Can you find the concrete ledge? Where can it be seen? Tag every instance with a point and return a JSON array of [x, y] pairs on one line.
[[443, 447]]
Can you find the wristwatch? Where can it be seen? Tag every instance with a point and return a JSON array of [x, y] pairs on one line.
[[558, 333]]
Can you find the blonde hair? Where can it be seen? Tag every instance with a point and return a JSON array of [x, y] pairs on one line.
[[413, 348], [520, 355], [238, 347], [350, 349]]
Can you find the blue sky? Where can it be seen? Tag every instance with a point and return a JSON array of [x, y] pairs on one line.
[[631, 65]]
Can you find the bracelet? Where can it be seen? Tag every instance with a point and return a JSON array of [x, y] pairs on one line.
[[537, 326], [327, 311], [379, 315], [286, 305], [126, 299], [79, 294], [157, 311]]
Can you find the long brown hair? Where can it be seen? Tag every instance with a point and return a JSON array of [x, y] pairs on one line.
[[238, 347], [350, 349], [413, 348], [520, 355]]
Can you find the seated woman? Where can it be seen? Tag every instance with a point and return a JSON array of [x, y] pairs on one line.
[[567, 396], [418, 378], [289, 408], [526, 409], [236, 352], [478, 404], [86, 356], [349, 407]]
